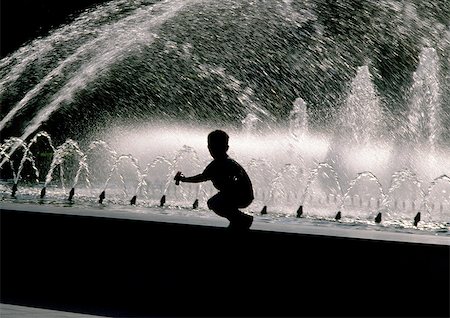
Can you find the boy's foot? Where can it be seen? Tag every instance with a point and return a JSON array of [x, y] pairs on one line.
[[244, 222]]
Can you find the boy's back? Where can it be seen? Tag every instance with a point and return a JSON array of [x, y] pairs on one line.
[[231, 179]]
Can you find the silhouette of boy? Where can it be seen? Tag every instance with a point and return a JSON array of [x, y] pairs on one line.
[[230, 178]]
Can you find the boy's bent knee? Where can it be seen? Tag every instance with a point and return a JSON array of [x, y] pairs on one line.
[[215, 202]]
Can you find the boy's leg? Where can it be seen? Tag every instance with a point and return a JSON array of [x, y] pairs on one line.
[[224, 207], [242, 222]]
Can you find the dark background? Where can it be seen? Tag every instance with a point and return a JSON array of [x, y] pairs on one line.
[[24, 20]]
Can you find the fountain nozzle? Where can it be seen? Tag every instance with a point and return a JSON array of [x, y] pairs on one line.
[[264, 210], [71, 194], [43, 192], [300, 211], [101, 197], [378, 218], [14, 190], [417, 218]]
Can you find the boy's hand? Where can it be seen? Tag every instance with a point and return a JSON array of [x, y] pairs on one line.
[[178, 177]]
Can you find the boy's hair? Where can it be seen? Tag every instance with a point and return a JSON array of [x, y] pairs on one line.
[[218, 138]]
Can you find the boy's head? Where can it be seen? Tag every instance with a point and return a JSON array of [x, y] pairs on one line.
[[218, 143]]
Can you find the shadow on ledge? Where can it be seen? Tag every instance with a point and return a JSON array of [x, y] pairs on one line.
[[133, 268]]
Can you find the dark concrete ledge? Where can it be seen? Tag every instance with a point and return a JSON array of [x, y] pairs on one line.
[[147, 266]]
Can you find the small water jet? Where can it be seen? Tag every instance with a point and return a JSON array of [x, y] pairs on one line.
[[60, 158], [373, 199], [438, 191], [285, 186], [157, 178], [423, 119], [323, 179], [298, 119], [361, 117], [405, 186]]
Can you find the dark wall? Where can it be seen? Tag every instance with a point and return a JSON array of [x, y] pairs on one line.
[[24, 20], [139, 268]]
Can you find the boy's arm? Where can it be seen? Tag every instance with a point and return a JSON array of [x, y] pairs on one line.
[[194, 179]]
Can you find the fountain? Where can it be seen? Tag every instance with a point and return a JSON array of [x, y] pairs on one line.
[[327, 125], [338, 111], [423, 119]]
